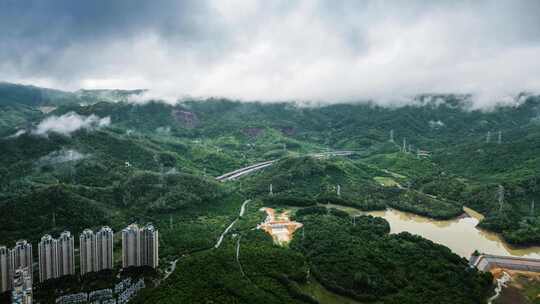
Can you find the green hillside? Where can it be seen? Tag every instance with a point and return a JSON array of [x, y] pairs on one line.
[[157, 163]]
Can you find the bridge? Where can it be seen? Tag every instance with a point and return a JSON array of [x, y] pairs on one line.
[[243, 171], [486, 262], [258, 166]]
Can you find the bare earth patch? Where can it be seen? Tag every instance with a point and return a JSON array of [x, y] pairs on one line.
[[279, 226], [523, 288]]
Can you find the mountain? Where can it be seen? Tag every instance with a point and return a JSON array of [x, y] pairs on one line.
[[73, 160], [33, 96], [20, 104], [217, 135]]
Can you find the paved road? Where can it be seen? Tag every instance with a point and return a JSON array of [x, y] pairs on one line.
[[242, 171], [238, 256], [241, 213], [258, 166], [172, 268], [243, 208], [486, 262]]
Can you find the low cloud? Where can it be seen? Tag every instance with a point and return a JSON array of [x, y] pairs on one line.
[[163, 130], [69, 123], [17, 134], [309, 51], [62, 156], [436, 124]]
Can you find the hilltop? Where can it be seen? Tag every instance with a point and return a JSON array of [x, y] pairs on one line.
[[75, 160], [214, 136]]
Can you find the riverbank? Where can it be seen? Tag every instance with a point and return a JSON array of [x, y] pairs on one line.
[[460, 234]]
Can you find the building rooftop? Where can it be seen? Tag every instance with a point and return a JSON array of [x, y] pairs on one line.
[[46, 237]]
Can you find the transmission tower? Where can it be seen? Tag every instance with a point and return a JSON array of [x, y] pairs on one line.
[[160, 165], [271, 190], [338, 190], [499, 139], [532, 186], [488, 137], [500, 196], [71, 166], [392, 135], [404, 149]]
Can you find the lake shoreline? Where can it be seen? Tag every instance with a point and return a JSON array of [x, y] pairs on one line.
[[460, 234]]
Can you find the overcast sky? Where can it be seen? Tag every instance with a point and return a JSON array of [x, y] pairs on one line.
[[275, 50]]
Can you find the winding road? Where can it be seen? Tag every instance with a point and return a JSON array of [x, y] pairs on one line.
[[240, 214], [237, 174], [238, 256]]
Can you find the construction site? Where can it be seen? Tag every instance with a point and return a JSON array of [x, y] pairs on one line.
[[279, 225]]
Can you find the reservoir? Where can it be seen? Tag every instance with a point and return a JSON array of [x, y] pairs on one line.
[[460, 234]]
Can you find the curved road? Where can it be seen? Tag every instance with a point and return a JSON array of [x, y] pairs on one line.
[[172, 268], [252, 168], [237, 174], [242, 210]]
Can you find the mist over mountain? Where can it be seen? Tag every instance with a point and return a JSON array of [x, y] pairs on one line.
[[302, 152], [112, 157], [279, 51]]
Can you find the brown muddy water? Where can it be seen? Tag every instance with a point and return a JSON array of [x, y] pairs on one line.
[[460, 234]]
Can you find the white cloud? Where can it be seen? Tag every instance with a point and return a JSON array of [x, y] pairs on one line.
[[316, 51], [163, 130], [69, 123], [436, 124], [17, 134], [62, 156]]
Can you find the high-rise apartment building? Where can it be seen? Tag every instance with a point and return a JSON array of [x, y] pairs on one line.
[[149, 246], [66, 254], [140, 246], [21, 257], [22, 287], [48, 258], [131, 240], [5, 269], [96, 250], [56, 256], [87, 251], [104, 249]]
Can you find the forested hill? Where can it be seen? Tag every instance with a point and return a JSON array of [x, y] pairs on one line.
[[76, 160], [210, 137], [431, 121]]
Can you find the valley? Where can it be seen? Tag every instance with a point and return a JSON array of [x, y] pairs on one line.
[[334, 171], [269, 152]]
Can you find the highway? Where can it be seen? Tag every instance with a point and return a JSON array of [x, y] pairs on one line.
[[258, 166], [242, 171]]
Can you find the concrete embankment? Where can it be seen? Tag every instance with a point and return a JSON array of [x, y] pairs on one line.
[[486, 262]]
